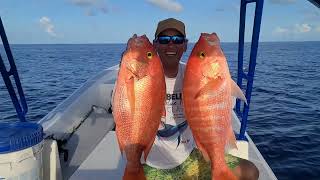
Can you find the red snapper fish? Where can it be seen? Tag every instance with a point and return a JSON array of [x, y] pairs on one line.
[[138, 103], [207, 98]]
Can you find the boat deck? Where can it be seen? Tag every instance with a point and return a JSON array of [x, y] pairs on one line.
[[106, 162], [84, 123]]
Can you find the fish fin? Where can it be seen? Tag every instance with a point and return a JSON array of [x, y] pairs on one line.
[[205, 155], [223, 174], [135, 175], [163, 114], [233, 101], [130, 94], [213, 84], [119, 143], [147, 150], [236, 91], [219, 168], [202, 150], [231, 140]]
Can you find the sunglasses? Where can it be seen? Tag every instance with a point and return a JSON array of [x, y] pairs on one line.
[[167, 39]]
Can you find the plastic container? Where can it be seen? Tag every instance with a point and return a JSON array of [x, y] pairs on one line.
[[21, 151]]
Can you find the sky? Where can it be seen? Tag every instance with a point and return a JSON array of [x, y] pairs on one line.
[[115, 21]]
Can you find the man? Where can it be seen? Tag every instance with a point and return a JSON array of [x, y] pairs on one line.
[[173, 154]]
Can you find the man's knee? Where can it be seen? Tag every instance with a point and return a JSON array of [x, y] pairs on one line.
[[247, 170]]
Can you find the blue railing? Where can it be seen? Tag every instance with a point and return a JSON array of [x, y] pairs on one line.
[[21, 106], [315, 2], [252, 64]]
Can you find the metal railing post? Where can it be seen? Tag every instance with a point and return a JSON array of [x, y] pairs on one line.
[[252, 64], [21, 107]]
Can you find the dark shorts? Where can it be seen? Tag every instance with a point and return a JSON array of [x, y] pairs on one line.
[[194, 167]]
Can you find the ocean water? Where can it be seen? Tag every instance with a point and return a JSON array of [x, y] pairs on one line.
[[284, 117]]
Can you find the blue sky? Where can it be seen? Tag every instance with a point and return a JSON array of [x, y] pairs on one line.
[[114, 21]]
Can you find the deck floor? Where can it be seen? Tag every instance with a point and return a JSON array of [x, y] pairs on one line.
[[106, 162]]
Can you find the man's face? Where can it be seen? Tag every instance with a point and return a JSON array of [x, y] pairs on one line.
[[170, 53]]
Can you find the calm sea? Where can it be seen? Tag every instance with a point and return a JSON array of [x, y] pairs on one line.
[[284, 119]]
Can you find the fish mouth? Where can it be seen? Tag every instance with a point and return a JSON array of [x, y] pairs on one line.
[[211, 40]]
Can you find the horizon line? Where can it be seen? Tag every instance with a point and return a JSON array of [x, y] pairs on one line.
[[125, 43]]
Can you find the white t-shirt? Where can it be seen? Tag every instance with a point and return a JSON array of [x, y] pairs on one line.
[[171, 150]]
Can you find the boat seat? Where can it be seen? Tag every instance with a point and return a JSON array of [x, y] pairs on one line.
[[105, 161]]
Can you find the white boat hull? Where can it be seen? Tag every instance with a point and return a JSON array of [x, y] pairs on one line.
[[82, 126]]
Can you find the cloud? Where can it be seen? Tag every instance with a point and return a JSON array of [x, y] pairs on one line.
[[169, 5], [280, 30], [91, 6], [295, 29], [90, 12], [46, 23], [220, 9], [302, 28], [83, 3], [282, 1]]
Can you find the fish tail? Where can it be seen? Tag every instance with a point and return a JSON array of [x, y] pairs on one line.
[[219, 168], [134, 174], [223, 174]]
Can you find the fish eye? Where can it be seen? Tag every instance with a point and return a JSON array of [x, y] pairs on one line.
[[149, 55], [202, 55]]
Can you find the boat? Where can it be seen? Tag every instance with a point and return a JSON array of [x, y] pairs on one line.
[[87, 143], [79, 137]]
